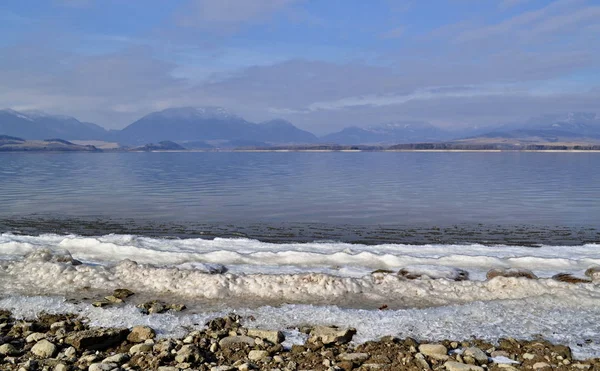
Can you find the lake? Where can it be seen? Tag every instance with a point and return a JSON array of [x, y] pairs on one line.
[[367, 188]]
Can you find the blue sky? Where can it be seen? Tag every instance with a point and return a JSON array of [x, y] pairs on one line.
[[322, 64]]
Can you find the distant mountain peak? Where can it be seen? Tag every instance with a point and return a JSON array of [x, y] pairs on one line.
[[208, 112], [18, 114]]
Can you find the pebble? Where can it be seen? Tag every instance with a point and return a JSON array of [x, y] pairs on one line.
[[456, 366], [435, 351], [102, 366], [8, 350], [44, 349], [140, 348], [257, 355]]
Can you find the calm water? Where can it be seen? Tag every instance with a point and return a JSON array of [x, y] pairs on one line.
[[336, 188]]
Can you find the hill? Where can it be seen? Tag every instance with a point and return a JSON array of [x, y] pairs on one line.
[[390, 133], [9, 144]]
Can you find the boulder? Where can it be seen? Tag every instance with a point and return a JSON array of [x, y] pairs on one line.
[[35, 337], [96, 339], [139, 334], [274, 337], [478, 354], [140, 348], [511, 272], [8, 350], [188, 353], [331, 335], [44, 349], [102, 367], [118, 358]]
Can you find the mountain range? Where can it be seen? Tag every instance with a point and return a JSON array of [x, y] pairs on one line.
[[210, 127]]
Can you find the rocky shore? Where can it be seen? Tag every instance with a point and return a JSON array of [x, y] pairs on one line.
[[61, 342]]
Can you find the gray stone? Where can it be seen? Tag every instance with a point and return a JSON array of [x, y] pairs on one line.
[[331, 335], [140, 348], [435, 351], [139, 334], [223, 368], [44, 349], [354, 357], [187, 353], [456, 366], [61, 367], [230, 341], [478, 354], [541, 366], [275, 337], [102, 366], [168, 368], [117, 358], [35, 337], [257, 355]]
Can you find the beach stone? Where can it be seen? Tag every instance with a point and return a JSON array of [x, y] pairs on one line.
[[274, 337], [140, 348], [511, 272], [96, 339], [117, 358], [113, 299], [593, 273], [506, 367], [44, 349], [230, 341], [8, 350], [35, 337], [541, 366], [435, 351], [457, 366], [187, 353], [168, 368], [139, 334], [528, 356], [354, 357], [61, 367], [257, 355], [223, 368], [330, 335], [102, 366], [478, 354]]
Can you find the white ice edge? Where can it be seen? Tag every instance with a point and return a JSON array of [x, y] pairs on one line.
[[522, 319]]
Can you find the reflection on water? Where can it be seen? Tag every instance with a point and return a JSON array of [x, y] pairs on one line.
[[352, 188]]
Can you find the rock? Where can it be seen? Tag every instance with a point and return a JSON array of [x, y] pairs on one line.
[[511, 272], [188, 353], [44, 349], [35, 337], [156, 306], [457, 366], [102, 366], [117, 358], [113, 299], [506, 367], [330, 335], [70, 352], [230, 341], [274, 337], [139, 334], [528, 356], [433, 273], [122, 293], [101, 303], [478, 354], [435, 351], [581, 366], [140, 348], [96, 339], [61, 367], [569, 278], [354, 357], [168, 368], [257, 355], [593, 273], [8, 350], [223, 368], [541, 366]]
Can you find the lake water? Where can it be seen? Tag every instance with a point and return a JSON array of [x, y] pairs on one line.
[[332, 188]]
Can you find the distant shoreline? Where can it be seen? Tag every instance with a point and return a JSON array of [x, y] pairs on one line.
[[315, 151]]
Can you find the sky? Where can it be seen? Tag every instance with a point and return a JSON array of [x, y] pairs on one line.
[[321, 64]]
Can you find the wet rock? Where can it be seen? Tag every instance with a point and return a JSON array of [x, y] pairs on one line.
[[101, 303], [96, 339], [140, 334], [569, 278], [113, 299], [457, 366], [511, 272], [429, 272], [331, 335], [230, 341], [257, 355], [478, 354], [8, 350], [435, 351], [274, 337], [44, 349], [156, 306]]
